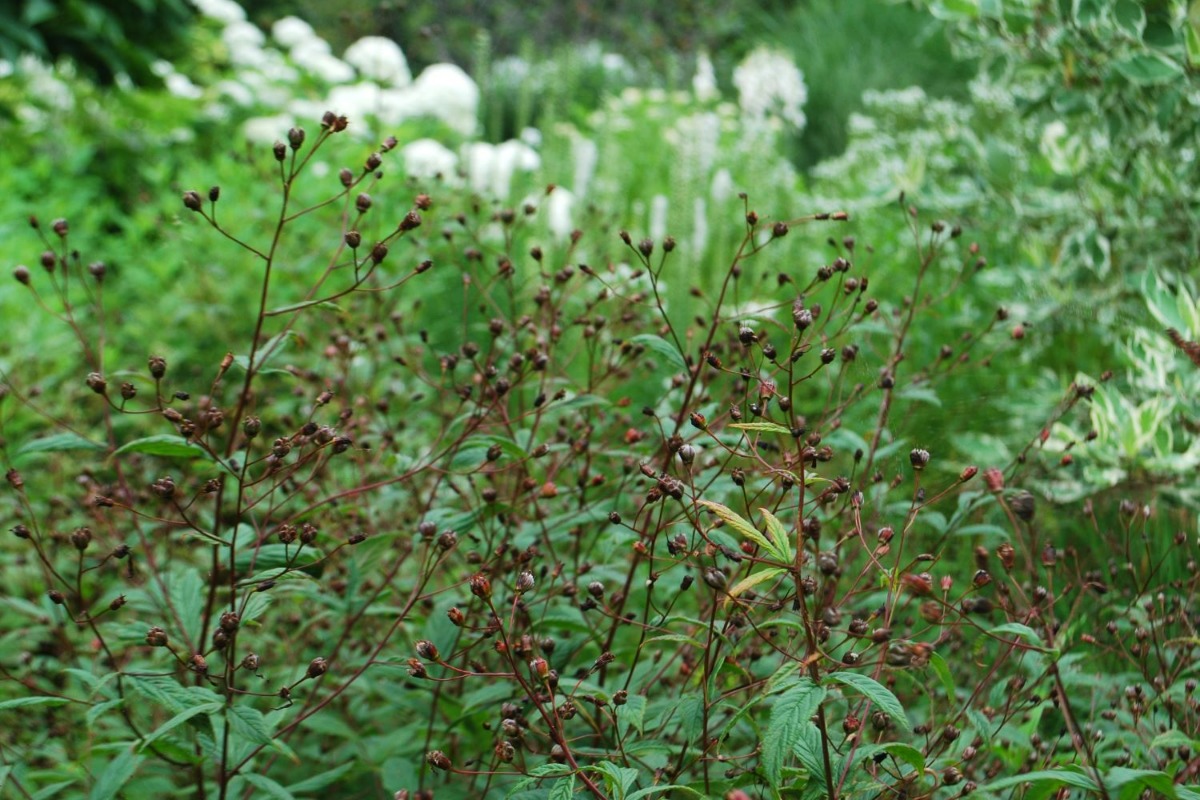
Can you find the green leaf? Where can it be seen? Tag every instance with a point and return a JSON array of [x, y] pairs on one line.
[[671, 787], [943, 672], [249, 724], [1159, 783], [789, 715], [164, 445], [906, 753], [320, 781], [632, 714], [1146, 69], [877, 693], [563, 788], [115, 775], [661, 346], [177, 720], [1017, 629], [1055, 777], [743, 527], [57, 443], [21, 702], [269, 787], [751, 581], [779, 535], [620, 779], [760, 427]]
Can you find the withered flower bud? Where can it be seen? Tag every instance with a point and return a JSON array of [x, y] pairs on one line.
[[96, 383], [779, 229], [316, 668], [295, 137], [646, 247], [250, 662], [363, 203], [1007, 555], [447, 540], [60, 227], [428, 650], [346, 177], [192, 200], [481, 587], [128, 391], [423, 201], [525, 582], [199, 662], [279, 149], [81, 538], [411, 221], [117, 603], [373, 161], [967, 474], [21, 532], [56, 597], [379, 253], [158, 366], [156, 637], [17, 482], [715, 578], [1023, 505], [251, 427], [438, 760], [457, 617], [21, 273], [919, 458], [994, 479]]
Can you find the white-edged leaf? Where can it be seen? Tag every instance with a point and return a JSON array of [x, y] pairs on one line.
[[877, 693]]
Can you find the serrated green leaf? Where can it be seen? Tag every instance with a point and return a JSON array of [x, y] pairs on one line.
[[751, 581], [1017, 629], [789, 715], [164, 445], [1056, 777], [661, 346], [671, 787], [760, 427], [249, 724], [942, 669], [177, 720], [59, 442], [22, 702], [743, 527], [632, 714], [779, 535], [563, 788], [877, 693], [115, 775], [269, 787], [620, 779]]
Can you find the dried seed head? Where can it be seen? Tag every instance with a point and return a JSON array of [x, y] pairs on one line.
[[81, 538], [1023, 505], [316, 668], [156, 637]]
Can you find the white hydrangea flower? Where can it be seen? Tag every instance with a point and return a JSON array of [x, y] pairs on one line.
[[182, 86], [226, 11], [380, 59], [291, 31], [313, 47], [446, 92], [356, 100], [236, 91], [490, 168], [560, 206], [704, 82], [659, 206], [722, 186], [586, 155], [328, 68], [267, 130], [770, 85], [427, 158]]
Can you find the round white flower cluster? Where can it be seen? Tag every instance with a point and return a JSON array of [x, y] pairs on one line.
[[770, 85]]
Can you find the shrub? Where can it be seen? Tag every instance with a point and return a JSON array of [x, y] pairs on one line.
[[465, 509]]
